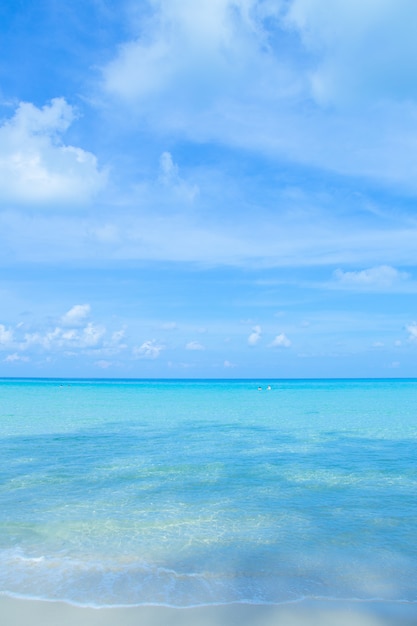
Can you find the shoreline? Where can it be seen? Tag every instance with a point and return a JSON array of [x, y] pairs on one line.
[[22, 612]]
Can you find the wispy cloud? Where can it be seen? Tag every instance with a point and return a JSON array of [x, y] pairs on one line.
[[380, 278], [412, 331], [16, 358], [347, 72], [103, 364], [170, 178], [194, 345], [243, 73], [169, 326]]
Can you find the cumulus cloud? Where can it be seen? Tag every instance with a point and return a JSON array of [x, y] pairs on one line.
[[150, 349], [255, 335], [194, 345], [280, 341], [73, 336], [36, 167], [380, 277], [91, 335], [88, 336], [76, 315]]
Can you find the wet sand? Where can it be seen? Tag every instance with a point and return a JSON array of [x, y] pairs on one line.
[[21, 612]]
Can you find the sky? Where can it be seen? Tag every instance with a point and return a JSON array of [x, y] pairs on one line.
[[211, 189]]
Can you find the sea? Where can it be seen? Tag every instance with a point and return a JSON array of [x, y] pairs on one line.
[[206, 492]]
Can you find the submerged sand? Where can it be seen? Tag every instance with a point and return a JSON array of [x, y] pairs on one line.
[[21, 612]]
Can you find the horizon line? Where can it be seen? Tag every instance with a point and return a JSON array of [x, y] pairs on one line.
[[260, 378]]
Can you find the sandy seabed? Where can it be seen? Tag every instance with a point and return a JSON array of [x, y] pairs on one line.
[[22, 612]]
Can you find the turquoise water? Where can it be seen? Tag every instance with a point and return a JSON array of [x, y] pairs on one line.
[[189, 493]]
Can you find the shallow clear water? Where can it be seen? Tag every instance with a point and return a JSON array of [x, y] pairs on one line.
[[187, 493]]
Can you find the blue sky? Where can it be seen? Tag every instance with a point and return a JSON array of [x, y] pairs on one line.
[[222, 188]]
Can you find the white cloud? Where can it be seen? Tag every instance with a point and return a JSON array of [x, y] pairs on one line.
[[168, 169], [255, 335], [138, 71], [381, 277], [103, 364], [75, 335], [170, 178], [150, 349], [194, 345], [191, 60], [14, 358], [228, 364], [6, 336], [36, 167], [245, 72], [90, 336], [48, 340], [412, 331], [76, 315], [183, 38], [364, 50], [280, 341], [86, 337], [311, 238]]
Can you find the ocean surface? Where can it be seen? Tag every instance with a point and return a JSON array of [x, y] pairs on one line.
[[188, 493]]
